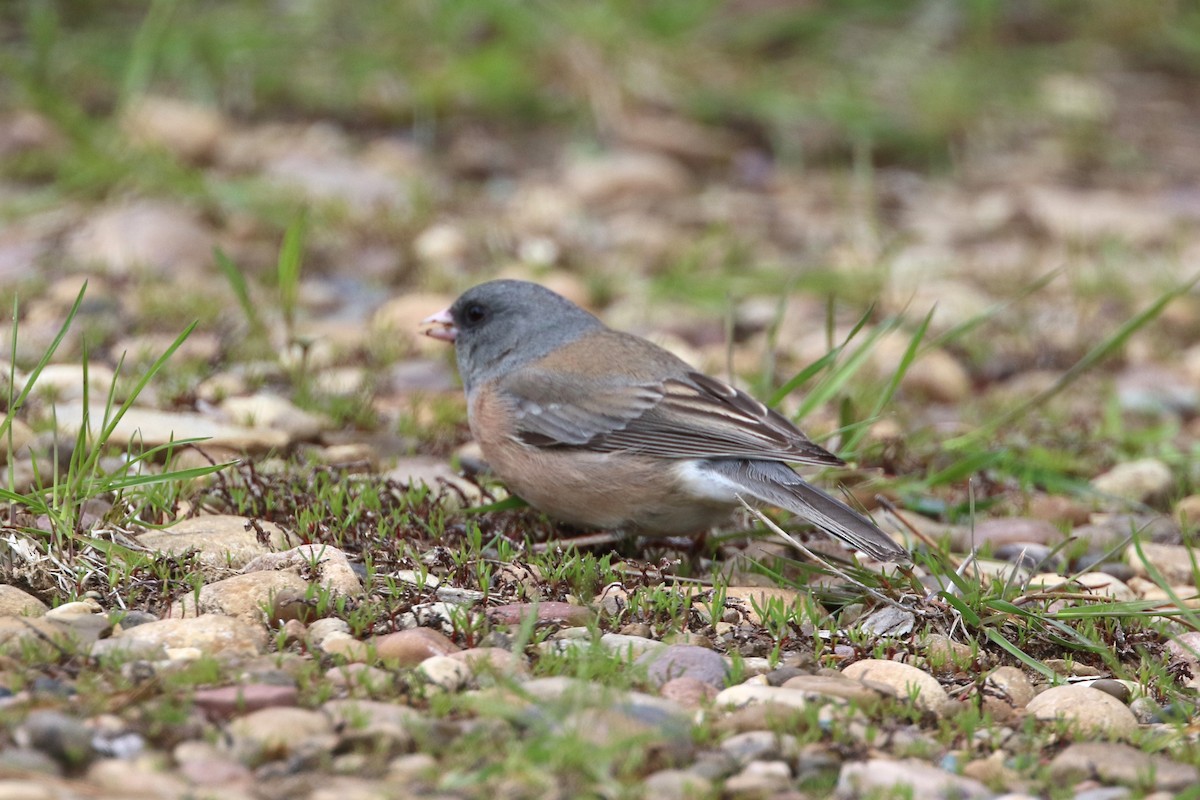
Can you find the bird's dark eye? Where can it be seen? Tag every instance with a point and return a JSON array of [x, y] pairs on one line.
[[474, 314]]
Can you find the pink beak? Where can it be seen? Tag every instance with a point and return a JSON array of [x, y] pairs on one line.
[[440, 326]]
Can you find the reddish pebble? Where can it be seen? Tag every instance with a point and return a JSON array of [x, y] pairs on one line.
[[229, 701], [688, 692], [411, 647], [552, 612]]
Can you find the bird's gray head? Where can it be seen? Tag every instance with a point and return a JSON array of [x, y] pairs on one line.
[[500, 325]]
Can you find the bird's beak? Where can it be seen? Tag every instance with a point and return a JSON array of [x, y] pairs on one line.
[[440, 326]]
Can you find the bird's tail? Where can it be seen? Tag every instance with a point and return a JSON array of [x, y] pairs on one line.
[[776, 484]]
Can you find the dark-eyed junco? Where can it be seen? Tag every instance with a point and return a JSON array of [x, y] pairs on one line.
[[605, 429]]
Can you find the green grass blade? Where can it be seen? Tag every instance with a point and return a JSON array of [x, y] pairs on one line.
[[291, 254], [1019, 654], [31, 379], [966, 326], [825, 361], [147, 44], [240, 287], [841, 373], [963, 468], [850, 443], [1099, 353], [968, 614]]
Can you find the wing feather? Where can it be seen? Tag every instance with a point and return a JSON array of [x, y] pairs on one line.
[[688, 416]]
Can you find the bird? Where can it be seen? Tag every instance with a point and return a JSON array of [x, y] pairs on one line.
[[606, 430]]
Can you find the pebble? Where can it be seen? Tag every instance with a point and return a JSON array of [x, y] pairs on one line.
[[369, 723], [26, 760], [150, 428], [1028, 555], [246, 597], [412, 768], [211, 634], [630, 647], [625, 178], [547, 613], [1058, 509], [22, 437], [632, 728], [320, 629], [760, 746], [151, 235], [904, 679], [688, 692], [489, 664], [1118, 689], [186, 130], [445, 673], [749, 694], [1171, 561], [333, 569], [1144, 481], [442, 244], [265, 410], [750, 600], [675, 784], [943, 652], [448, 486], [202, 764], [226, 702], [84, 621], [684, 661], [221, 541], [1100, 583], [1091, 215], [360, 189], [118, 775], [1188, 511], [361, 676], [840, 686], [918, 780], [410, 647], [1085, 710], [758, 779], [1154, 389], [1113, 762], [275, 733], [1013, 530], [62, 737], [1009, 685]]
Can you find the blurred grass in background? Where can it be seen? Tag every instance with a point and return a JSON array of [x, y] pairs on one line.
[[908, 81]]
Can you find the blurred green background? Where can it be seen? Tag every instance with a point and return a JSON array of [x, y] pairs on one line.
[[907, 81]]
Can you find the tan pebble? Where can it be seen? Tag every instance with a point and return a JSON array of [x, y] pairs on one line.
[[411, 647], [15, 602], [750, 694], [839, 686], [942, 650], [1172, 561], [359, 676], [1011, 685], [1144, 480], [688, 692], [1058, 509], [1100, 583], [1188, 511], [1088, 711], [187, 130], [906, 680]]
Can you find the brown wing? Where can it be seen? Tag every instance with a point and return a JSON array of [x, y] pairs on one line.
[[690, 416]]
